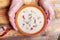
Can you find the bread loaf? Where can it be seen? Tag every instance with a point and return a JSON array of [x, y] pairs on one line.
[[29, 1], [4, 3], [57, 12], [56, 7], [54, 27], [56, 1], [4, 16], [3, 12]]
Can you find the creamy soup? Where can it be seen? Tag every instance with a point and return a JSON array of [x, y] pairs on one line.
[[30, 20]]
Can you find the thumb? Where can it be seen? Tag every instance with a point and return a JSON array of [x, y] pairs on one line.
[[15, 5]]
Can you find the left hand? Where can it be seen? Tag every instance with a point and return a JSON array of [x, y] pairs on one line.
[[46, 4]]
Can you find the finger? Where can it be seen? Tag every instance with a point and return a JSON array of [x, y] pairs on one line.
[[16, 4]]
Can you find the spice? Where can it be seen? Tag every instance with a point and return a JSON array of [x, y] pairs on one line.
[[23, 17]]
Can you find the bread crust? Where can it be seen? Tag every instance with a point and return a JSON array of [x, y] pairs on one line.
[[4, 3], [4, 16]]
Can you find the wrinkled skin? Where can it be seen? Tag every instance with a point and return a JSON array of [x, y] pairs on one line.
[[16, 4], [46, 4]]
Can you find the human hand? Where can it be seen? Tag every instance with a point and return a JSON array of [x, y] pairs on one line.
[[16, 4]]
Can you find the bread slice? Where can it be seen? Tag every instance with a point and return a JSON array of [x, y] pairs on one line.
[[4, 20], [56, 1], [3, 12], [57, 12], [54, 27], [29, 1], [4, 16], [56, 7], [4, 3]]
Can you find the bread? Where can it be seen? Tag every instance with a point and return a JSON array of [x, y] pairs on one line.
[[53, 30], [4, 16], [56, 1], [3, 12], [4, 3], [29, 1], [4, 20], [54, 27], [56, 7], [57, 12]]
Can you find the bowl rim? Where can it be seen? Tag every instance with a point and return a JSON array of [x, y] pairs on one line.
[[45, 19]]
